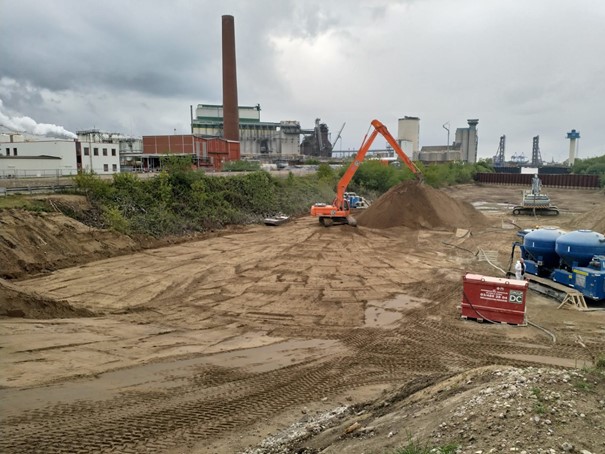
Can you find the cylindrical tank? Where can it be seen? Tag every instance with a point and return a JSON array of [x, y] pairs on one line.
[[540, 244], [580, 246]]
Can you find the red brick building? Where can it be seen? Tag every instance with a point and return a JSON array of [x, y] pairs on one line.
[[205, 152]]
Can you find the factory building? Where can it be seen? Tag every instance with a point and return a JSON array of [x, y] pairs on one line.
[[98, 152], [258, 139], [205, 152], [20, 158], [131, 150], [408, 135], [92, 151], [464, 147], [316, 142]]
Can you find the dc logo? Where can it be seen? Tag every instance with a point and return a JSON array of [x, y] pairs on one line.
[[515, 297]]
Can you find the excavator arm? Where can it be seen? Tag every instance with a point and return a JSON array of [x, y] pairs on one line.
[[340, 210], [344, 181], [382, 129], [379, 128]]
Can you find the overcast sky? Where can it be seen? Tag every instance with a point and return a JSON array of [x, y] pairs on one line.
[[522, 67]]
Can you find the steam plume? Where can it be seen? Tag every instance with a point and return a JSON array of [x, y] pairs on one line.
[[29, 125]]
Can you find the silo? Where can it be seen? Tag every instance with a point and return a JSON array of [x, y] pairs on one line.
[[408, 132]]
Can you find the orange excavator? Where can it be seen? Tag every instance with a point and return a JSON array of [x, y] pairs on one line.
[[340, 211]]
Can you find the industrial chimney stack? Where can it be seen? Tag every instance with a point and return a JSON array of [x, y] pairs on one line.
[[230, 106]]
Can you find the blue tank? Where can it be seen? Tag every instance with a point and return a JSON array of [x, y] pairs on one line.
[[540, 246], [580, 246]]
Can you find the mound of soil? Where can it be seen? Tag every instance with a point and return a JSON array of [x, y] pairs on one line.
[[419, 206], [32, 242], [16, 303]]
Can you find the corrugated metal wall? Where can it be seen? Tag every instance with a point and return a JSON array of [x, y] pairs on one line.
[[213, 151], [553, 181]]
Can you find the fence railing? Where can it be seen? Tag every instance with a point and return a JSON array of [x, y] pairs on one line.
[[36, 173], [37, 189]]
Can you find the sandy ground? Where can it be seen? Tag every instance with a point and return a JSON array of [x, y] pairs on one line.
[[209, 346]]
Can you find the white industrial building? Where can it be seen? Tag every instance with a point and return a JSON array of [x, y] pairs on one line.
[[99, 152], [258, 139], [21, 157], [44, 158]]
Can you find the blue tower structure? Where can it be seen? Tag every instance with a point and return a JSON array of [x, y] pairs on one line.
[[572, 135]]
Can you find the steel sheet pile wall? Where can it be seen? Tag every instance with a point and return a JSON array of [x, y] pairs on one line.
[[553, 181]]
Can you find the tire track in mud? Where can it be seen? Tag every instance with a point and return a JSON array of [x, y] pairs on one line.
[[156, 421], [216, 400]]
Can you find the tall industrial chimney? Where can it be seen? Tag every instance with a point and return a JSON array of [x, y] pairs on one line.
[[230, 107]]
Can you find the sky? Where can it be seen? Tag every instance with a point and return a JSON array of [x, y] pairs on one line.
[[523, 68]]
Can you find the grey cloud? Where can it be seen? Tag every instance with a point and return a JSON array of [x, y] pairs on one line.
[[521, 68]]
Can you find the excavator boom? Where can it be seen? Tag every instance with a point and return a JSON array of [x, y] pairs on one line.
[[340, 210]]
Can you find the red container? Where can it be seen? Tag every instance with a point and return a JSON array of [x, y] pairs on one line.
[[494, 299]]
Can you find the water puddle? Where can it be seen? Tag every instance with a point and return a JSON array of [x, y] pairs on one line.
[[492, 206], [386, 314], [377, 317]]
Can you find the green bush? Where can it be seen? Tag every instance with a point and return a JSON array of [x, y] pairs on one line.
[[325, 172], [591, 166], [114, 218], [176, 164], [180, 200], [92, 185], [376, 176]]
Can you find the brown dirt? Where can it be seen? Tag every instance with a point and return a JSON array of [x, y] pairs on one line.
[[15, 302], [420, 206], [33, 243], [592, 220], [297, 332]]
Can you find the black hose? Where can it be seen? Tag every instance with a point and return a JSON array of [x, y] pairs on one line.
[[473, 307]]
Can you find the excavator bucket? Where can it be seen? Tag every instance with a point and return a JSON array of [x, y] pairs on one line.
[[351, 221]]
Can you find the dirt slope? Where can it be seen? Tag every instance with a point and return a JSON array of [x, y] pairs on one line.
[[485, 410], [40, 242], [592, 220], [14, 302]]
